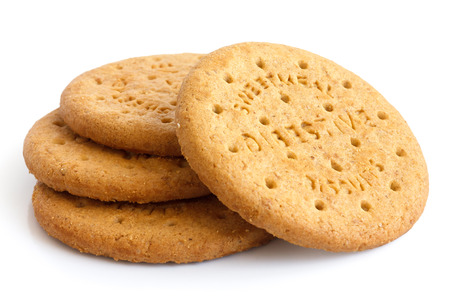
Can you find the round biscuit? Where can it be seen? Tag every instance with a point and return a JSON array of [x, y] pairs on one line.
[[301, 147], [67, 162], [181, 231], [129, 104]]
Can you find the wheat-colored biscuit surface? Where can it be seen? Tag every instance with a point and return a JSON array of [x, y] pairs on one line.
[[301, 147], [67, 162], [129, 104], [175, 231]]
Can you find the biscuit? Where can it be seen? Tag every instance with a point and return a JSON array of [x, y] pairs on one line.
[[176, 231], [67, 162], [301, 147], [129, 104]]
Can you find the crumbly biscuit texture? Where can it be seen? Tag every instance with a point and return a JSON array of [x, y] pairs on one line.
[[301, 147], [66, 161], [176, 231], [129, 104]]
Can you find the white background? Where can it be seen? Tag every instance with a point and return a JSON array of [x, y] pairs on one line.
[[401, 48]]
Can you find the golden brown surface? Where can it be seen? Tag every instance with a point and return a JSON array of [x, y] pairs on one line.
[[129, 104], [301, 147], [67, 162], [176, 231]]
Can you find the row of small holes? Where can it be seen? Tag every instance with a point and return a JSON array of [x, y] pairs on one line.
[[320, 205], [162, 65], [261, 64]]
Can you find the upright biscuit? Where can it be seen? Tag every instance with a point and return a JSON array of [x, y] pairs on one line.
[[176, 231], [301, 147], [129, 104], [67, 162]]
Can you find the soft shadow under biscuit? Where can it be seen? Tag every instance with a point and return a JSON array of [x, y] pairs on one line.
[[176, 231]]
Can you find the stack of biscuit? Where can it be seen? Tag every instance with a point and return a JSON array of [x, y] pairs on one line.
[[290, 144], [111, 179]]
